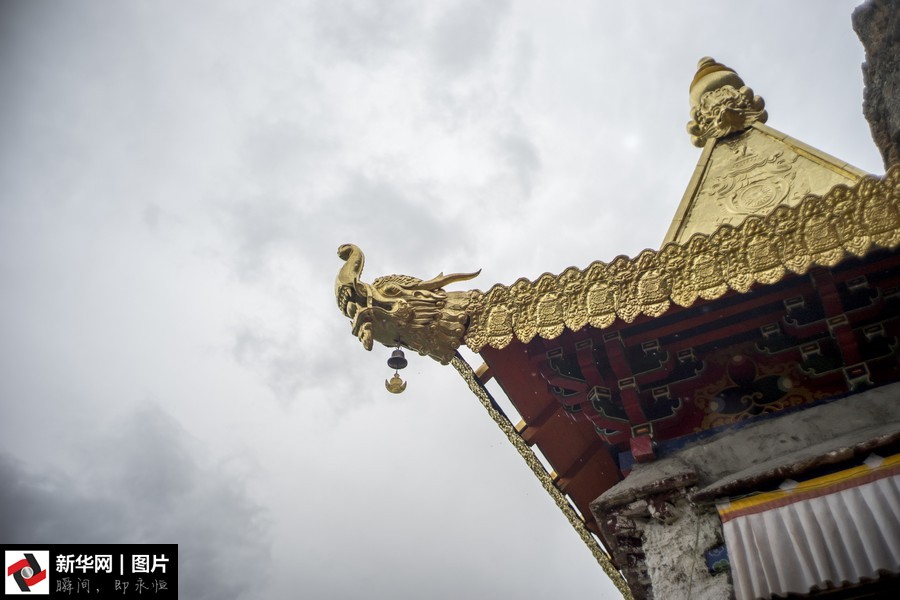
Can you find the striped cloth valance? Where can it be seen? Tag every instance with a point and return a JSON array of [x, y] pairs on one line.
[[836, 529]]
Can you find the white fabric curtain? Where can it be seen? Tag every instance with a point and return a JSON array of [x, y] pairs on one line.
[[838, 537]]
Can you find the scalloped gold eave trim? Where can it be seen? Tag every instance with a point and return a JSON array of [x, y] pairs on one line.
[[819, 231]]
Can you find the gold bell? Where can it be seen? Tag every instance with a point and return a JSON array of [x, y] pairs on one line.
[[395, 385]]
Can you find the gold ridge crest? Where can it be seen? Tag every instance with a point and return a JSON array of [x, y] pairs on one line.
[[820, 231]]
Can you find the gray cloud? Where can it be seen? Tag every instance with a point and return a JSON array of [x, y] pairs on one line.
[[465, 35], [293, 366], [411, 222], [258, 226], [524, 54], [283, 155], [364, 31], [145, 482], [415, 221], [523, 159]]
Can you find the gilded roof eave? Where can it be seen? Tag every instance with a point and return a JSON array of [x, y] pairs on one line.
[[760, 205], [819, 231]]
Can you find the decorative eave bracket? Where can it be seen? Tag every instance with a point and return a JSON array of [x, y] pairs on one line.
[[820, 231]]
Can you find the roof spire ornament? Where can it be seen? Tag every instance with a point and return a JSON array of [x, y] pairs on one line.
[[720, 103]]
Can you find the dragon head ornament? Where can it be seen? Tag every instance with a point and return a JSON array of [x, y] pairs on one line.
[[402, 310]]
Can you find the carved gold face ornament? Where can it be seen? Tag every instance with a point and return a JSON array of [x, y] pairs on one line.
[[403, 311]]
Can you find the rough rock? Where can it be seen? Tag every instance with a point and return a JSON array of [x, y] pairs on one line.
[[877, 23], [675, 560]]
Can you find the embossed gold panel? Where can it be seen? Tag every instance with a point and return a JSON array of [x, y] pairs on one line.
[[751, 174]]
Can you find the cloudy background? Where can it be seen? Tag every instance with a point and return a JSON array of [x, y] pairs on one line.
[[175, 178]]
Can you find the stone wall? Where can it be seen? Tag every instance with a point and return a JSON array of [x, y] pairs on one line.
[[877, 23], [675, 549], [661, 519]]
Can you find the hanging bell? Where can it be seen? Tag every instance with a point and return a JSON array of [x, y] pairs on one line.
[[397, 360]]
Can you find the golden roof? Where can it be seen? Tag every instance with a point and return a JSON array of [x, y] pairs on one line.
[[760, 205]]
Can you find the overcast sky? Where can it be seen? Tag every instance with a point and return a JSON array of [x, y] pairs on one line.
[[175, 179]]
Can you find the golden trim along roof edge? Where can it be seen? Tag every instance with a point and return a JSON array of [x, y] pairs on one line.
[[819, 231], [545, 478]]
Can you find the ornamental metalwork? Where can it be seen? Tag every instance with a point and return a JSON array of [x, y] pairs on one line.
[[399, 310], [720, 103], [422, 316], [820, 231]]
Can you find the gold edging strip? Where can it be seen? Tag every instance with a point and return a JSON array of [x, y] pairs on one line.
[[506, 426], [888, 467], [819, 231]]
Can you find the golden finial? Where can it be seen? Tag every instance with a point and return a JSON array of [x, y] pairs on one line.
[[720, 103]]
